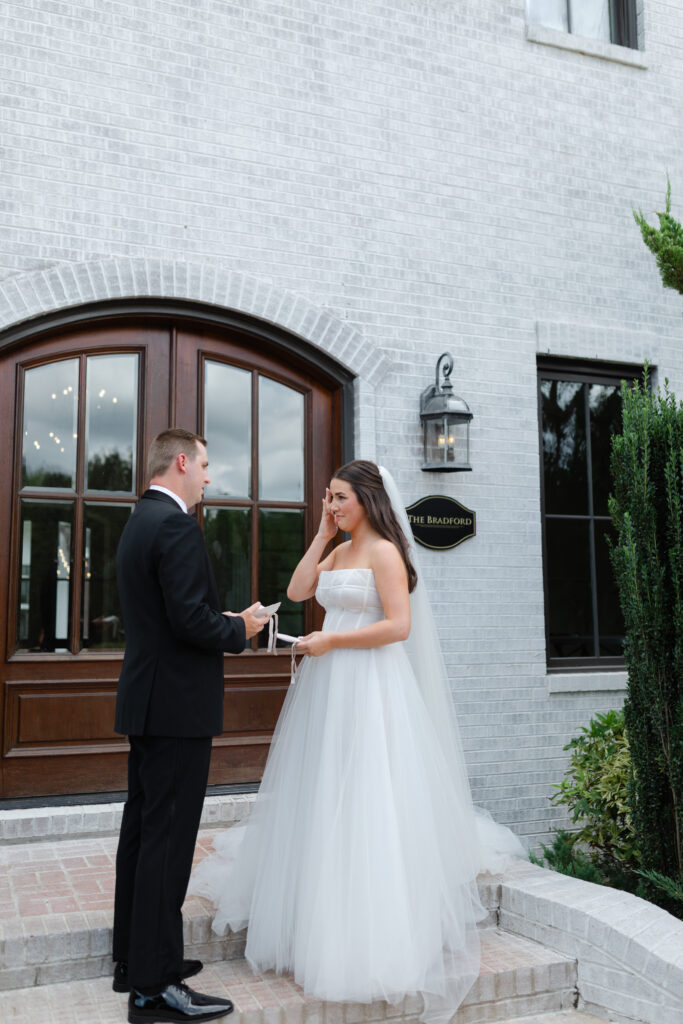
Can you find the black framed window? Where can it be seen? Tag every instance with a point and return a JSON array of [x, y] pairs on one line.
[[579, 411], [612, 21]]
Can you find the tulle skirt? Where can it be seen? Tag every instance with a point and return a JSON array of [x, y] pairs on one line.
[[356, 871]]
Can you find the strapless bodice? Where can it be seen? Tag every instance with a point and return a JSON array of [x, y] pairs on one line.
[[349, 597]]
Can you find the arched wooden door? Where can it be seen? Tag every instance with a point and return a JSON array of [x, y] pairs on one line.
[[87, 400]]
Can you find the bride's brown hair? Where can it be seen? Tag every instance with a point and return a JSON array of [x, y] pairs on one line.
[[368, 486]]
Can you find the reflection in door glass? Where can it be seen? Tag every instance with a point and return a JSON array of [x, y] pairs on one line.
[[281, 545], [281, 442], [101, 619], [227, 429], [45, 550], [111, 414], [50, 426], [227, 535]]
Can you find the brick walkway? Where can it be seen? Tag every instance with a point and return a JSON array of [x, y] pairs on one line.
[[68, 879], [63, 877], [56, 907]]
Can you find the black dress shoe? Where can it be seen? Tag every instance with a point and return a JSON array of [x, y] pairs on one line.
[[121, 983], [176, 1003]]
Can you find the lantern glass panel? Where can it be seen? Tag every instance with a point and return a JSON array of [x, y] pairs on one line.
[[446, 442]]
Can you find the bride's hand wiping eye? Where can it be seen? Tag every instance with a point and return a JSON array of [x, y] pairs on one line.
[[328, 526]]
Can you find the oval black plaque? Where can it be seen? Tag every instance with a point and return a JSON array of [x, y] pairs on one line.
[[440, 522]]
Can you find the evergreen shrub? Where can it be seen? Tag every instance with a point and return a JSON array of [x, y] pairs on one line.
[[666, 242], [647, 556]]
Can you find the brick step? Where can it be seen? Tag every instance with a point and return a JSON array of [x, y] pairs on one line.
[[80, 821], [56, 911], [518, 978]]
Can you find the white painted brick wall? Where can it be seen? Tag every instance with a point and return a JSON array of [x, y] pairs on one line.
[[417, 169]]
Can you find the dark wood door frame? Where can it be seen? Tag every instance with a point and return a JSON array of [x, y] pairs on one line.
[[55, 683]]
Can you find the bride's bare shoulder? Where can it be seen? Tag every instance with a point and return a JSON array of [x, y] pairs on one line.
[[385, 554]]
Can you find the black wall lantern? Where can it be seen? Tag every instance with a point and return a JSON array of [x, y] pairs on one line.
[[446, 423]]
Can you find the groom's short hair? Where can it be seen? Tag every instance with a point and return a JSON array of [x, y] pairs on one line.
[[167, 445]]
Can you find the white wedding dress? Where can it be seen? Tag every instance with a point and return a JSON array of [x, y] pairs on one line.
[[356, 871]]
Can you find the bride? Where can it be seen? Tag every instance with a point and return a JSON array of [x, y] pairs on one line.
[[357, 869]]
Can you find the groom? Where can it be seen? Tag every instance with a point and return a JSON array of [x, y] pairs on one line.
[[169, 704]]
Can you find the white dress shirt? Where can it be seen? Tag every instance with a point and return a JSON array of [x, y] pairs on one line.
[[171, 494]]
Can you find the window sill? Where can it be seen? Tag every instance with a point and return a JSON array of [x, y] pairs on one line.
[[589, 47], [586, 682]]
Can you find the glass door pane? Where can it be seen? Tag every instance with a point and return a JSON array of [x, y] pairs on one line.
[[111, 416], [101, 618], [227, 429], [45, 549], [227, 535], [281, 545], [50, 425], [281, 442]]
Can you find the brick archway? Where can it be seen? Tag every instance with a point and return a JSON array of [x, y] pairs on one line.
[[36, 294]]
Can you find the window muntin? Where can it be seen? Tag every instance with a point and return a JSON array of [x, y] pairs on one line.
[[255, 509], [579, 411], [611, 21]]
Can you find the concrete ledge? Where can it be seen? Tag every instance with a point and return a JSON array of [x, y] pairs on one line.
[[629, 952], [588, 47], [32, 824], [587, 682]]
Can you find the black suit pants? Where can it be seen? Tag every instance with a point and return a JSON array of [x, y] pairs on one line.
[[167, 779]]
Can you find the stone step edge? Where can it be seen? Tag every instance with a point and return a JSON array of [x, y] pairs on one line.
[[629, 952], [33, 824], [50, 941], [510, 992]]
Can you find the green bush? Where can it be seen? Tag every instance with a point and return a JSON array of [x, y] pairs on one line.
[[647, 556], [595, 791], [569, 859], [666, 242]]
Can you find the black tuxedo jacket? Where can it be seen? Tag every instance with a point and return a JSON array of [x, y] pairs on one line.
[[171, 681]]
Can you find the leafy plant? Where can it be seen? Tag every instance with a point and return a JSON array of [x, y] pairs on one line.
[[567, 858], [666, 242], [595, 791]]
